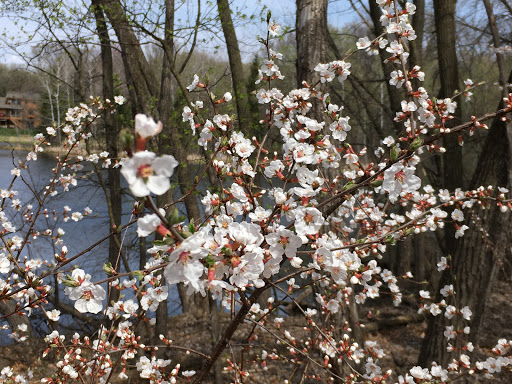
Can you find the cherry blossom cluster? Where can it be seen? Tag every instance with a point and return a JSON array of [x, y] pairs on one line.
[[242, 244], [8, 375], [82, 357]]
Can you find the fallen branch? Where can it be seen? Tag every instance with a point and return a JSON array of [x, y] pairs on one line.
[[392, 322]]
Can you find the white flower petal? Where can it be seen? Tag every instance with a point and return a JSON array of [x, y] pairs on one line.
[[158, 184], [165, 165]]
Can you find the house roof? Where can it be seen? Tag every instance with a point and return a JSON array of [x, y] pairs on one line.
[[22, 96], [4, 105]]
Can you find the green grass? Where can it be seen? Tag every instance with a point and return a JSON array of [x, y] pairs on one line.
[[7, 132], [17, 138]]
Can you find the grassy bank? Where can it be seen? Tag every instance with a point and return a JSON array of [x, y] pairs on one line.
[[18, 140], [15, 132], [25, 142]]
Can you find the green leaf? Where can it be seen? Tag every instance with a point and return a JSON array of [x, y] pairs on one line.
[[417, 142], [138, 274], [349, 185], [109, 270], [394, 153], [376, 183]]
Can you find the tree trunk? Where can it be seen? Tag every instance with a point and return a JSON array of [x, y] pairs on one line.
[[144, 89], [171, 141], [497, 43], [135, 64], [504, 84], [235, 63], [475, 261], [448, 72], [7, 308], [311, 36], [416, 58], [111, 137], [421, 255], [434, 343], [418, 24], [165, 102]]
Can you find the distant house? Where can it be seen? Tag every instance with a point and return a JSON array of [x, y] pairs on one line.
[[19, 110]]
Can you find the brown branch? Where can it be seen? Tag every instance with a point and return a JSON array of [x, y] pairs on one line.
[[507, 5], [365, 180], [228, 334]]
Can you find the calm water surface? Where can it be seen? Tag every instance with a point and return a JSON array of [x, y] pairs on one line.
[[78, 235], [81, 235]]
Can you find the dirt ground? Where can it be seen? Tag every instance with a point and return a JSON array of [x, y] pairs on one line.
[[401, 343]]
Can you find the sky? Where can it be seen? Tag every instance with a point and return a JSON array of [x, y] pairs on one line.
[[283, 12], [340, 13]]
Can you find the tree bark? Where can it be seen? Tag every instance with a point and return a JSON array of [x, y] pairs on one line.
[[235, 63], [311, 37], [444, 12], [144, 89], [135, 64], [112, 138], [8, 308], [475, 261], [497, 43], [165, 103], [171, 140], [418, 24], [416, 45], [434, 343]]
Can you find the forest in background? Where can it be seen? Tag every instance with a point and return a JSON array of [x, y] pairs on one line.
[[140, 51]]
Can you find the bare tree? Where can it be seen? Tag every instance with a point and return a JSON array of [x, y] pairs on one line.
[[113, 194]]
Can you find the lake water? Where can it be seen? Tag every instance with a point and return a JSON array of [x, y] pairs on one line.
[[88, 194], [78, 235]]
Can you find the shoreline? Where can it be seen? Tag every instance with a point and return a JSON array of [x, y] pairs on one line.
[[25, 146], [13, 143]]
